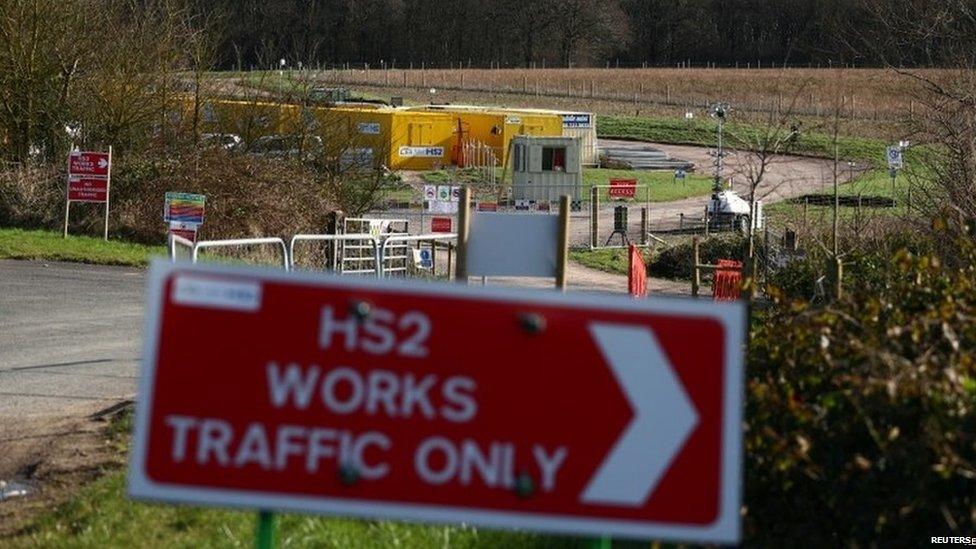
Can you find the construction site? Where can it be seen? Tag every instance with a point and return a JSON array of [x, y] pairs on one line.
[[514, 159]]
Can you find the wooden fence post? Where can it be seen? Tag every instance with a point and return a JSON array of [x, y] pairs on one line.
[[562, 252], [594, 217], [464, 228], [695, 261], [836, 278]]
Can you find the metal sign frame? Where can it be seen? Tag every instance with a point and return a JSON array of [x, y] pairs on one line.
[[108, 190]]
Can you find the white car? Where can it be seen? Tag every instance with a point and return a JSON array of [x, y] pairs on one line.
[[286, 146], [226, 141]]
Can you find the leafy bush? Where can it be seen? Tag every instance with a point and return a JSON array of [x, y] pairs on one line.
[[861, 416], [676, 261], [866, 267], [31, 196], [246, 196]]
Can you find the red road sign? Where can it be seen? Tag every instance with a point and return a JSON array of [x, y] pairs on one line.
[[440, 224], [622, 188], [89, 163], [378, 398], [188, 234], [87, 189]]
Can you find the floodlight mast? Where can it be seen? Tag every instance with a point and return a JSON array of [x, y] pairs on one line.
[[719, 111]]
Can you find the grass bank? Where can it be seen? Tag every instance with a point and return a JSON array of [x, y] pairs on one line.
[[701, 132], [51, 246], [874, 183]]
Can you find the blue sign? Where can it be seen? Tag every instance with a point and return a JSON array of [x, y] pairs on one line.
[[423, 258], [576, 120]]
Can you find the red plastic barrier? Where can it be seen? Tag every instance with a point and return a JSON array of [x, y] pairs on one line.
[[727, 283], [637, 277]]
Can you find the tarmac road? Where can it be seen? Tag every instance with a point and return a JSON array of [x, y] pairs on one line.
[[70, 342], [64, 322], [70, 339]]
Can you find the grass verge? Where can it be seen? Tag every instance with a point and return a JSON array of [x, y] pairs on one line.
[[99, 514], [609, 260], [661, 185], [51, 246]]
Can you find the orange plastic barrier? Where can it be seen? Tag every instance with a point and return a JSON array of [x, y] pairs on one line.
[[637, 277], [728, 280]]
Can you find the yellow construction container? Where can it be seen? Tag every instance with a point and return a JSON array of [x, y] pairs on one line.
[[496, 126], [404, 140]]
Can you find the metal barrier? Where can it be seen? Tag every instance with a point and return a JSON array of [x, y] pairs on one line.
[[380, 244], [333, 238], [175, 239], [285, 262], [397, 238]]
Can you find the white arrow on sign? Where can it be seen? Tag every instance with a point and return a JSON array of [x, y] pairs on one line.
[[102, 163], [664, 417]]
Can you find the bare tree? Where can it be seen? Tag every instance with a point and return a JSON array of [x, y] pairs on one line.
[[43, 44], [943, 170], [768, 140]]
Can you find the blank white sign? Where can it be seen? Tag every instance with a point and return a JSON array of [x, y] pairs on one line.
[[511, 244]]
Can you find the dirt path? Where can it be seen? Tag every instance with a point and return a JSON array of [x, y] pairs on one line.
[[786, 177], [584, 279]]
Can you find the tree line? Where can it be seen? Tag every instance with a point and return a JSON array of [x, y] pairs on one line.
[[554, 33]]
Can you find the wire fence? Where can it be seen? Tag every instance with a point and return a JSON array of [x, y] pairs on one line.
[[645, 92]]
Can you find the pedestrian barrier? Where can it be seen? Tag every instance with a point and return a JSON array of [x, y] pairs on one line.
[[405, 238], [727, 282], [277, 242], [175, 239], [637, 274], [335, 238], [381, 244]]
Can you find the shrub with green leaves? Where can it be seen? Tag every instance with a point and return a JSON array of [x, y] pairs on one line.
[[676, 261], [861, 415]]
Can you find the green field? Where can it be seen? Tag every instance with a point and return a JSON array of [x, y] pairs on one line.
[[873, 183], [51, 246]]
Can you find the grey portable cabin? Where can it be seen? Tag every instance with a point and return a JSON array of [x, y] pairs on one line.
[[545, 168]]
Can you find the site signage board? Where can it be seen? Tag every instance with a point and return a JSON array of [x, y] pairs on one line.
[[622, 188], [595, 415]]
